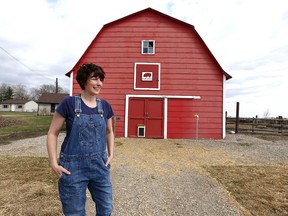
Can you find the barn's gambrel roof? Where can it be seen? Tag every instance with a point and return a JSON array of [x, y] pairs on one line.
[[172, 19]]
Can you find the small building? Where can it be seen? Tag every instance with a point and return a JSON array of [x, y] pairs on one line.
[[161, 79], [15, 105], [47, 103]]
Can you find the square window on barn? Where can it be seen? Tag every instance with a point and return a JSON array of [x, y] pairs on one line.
[[148, 47]]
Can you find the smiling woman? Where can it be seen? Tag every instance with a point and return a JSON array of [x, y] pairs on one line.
[[89, 133], [88, 72]]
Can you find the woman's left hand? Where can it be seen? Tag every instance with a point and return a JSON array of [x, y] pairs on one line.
[[109, 160]]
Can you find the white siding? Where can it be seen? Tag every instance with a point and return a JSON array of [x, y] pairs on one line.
[[31, 106]]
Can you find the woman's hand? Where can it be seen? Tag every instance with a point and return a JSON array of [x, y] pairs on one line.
[[109, 160], [59, 170]]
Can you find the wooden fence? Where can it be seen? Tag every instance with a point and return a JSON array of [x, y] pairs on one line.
[[264, 126]]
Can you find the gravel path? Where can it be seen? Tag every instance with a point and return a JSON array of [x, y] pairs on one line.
[[165, 177]]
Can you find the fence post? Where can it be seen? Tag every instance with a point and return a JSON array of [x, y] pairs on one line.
[[226, 115], [256, 121], [114, 120], [237, 118], [281, 124], [197, 120]]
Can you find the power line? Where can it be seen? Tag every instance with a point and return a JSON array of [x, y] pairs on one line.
[[13, 57], [20, 62]]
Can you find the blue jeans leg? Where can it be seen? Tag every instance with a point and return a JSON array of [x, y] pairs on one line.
[[72, 190], [102, 196]]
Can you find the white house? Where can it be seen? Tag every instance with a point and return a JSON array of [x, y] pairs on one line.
[[15, 105], [48, 102]]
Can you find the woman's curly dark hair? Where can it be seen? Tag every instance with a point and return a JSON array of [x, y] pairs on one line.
[[87, 71]]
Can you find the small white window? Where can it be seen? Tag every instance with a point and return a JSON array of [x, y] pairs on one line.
[[141, 130], [148, 47]]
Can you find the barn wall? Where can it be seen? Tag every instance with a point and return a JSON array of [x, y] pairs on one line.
[[187, 67], [182, 119]]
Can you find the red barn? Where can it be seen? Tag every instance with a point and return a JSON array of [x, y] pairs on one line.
[[160, 76]]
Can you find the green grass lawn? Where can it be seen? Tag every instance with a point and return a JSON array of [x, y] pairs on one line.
[[18, 125]]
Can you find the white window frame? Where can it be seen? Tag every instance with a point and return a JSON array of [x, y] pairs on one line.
[[142, 47], [135, 75]]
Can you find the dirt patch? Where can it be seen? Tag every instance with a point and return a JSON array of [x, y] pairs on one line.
[[5, 140], [8, 122]]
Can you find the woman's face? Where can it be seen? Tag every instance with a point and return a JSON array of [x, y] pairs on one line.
[[94, 85]]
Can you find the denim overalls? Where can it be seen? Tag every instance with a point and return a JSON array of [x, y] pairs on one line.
[[85, 157]]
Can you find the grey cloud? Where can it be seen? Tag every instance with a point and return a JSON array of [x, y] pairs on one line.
[[233, 92], [276, 55]]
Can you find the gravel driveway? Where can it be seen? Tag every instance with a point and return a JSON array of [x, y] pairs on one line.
[[165, 177]]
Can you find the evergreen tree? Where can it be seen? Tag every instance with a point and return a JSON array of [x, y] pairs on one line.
[[8, 94]]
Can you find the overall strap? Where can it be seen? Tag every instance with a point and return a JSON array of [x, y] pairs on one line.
[[77, 105], [99, 105]]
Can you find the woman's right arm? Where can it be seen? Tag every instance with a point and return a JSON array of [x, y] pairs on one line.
[[52, 136]]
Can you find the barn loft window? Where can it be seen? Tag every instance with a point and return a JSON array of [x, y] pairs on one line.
[[148, 47]]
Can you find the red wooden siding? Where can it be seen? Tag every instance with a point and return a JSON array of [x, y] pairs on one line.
[[187, 68], [182, 119]]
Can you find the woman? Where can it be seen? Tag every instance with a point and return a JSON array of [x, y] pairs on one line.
[[83, 161]]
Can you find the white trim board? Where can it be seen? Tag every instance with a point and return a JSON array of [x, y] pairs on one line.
[[135, 75]]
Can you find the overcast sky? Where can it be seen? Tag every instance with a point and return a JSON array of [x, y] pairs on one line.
[[41, 40]]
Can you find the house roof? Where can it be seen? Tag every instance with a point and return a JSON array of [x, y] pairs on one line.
[[14, 101], [51, 98], [161, 14]]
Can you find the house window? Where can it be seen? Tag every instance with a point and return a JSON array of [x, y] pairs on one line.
[[148, 47], [5, 106], [19, 106]]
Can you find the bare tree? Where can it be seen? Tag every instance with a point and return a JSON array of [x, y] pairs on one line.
[[37, 92], [20, 92], [266, 114]]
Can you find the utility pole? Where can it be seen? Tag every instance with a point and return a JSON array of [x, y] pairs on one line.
[[56, 85]]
